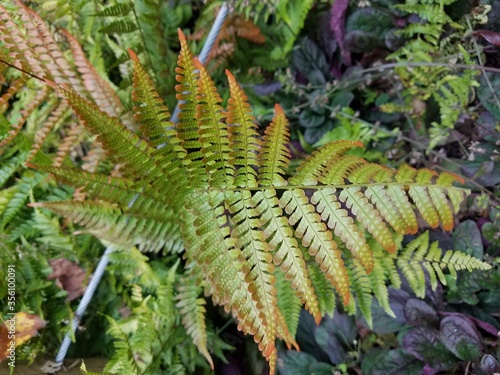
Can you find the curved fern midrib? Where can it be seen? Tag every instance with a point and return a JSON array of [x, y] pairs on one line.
[[318, 187]]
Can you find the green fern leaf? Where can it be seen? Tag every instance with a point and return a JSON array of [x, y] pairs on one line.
[[121, 26], [192, 310], [115, 10], [243, 137], [274, 156], [213, 133]]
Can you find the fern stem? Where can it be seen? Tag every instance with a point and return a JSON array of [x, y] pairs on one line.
[[87, 297], [209, 43]]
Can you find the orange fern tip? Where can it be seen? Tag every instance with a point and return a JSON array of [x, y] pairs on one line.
[[133, 56], [278, 110], [358, 144], [346, 298], [230, 76], [182, 37]]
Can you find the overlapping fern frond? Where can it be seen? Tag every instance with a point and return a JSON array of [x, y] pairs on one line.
[[253, 230], [451, 91], [27, 43]]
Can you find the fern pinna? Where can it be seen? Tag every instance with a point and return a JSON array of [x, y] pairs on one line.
[[260, 242]]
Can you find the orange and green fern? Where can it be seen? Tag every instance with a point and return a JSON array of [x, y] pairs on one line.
[[252, 231]]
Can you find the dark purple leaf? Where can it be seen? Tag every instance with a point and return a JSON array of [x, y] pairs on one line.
[[266, 88], [490, 36], [330, 345], [310, 61], [489, 364], [485, 326], [299, 363], [305, 337], [337, 24], [397, 301], [424, 344], [384, 323], [326, 37], [420, 341], [341, 325], [392, 362], [428, 370], [467, 238], [419, 313], [459, 336]]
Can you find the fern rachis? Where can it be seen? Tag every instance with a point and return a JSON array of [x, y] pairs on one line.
[[240, 216]]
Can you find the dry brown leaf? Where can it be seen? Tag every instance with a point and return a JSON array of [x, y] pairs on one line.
[[69, 276]]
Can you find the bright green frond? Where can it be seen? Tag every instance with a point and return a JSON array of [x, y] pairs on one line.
[[342, 224], [153, 116], [322, 287], [317, 238], [364, 211], [418, 255], [221, 263], [309, 171], [121, 144], [243, 136], [187, 126], [274, 156], [361, 288], [377, 282], [288, 302], [287, 254], [192, 310], [213, 133], [108, 222], [257, 267]]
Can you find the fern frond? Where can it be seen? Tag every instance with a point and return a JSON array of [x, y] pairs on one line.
[[75, 134], [241, 216], [43, 44], [127, 148], [192, 310], [115, 10], [274, 156], [213, 133], [57, 116], [418, 255], [187, 78], [243, 136], [108, 222], [10, 166], [322, 287], [97, 87], [361, 287], [20, 53], [377, 282], [23, 190], [289, 302], [287, 253], [38, 99], [121, 26], [124, 350], [14, 87], [153, 116], [315, 236]]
